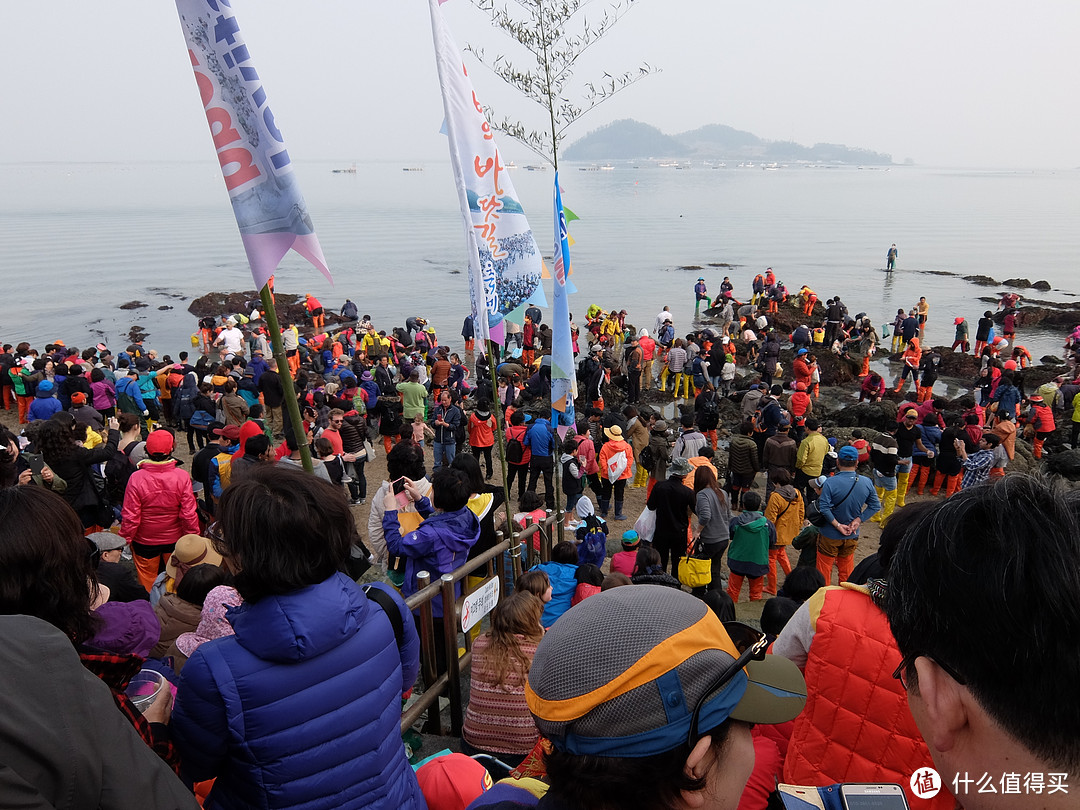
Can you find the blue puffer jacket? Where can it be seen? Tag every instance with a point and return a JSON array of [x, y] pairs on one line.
[[563, 578], [43, 406], [438, 546], [301, 707]]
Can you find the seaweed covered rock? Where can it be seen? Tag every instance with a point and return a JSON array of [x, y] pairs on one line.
[[874, 415], [290, 308], [958, 364]]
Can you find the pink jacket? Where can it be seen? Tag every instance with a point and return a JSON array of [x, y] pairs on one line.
[[586, 451], [159, 506]]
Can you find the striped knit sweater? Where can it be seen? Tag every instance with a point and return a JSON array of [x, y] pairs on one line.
[[497, 719]]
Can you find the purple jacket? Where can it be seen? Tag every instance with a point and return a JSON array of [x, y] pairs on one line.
[[438, 546]]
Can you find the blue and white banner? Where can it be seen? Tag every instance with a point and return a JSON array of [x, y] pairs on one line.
[[563, 378], [505, 265], [269, 209]]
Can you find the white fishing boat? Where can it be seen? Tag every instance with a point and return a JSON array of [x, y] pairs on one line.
[[607, 167]]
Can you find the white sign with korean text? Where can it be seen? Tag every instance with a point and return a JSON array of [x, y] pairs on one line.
[[479, 604]]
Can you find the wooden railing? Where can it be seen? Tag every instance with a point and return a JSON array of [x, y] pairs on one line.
[[495, 561]]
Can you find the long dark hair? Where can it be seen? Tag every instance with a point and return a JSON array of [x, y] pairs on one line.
[[46, 561], [705, 478]]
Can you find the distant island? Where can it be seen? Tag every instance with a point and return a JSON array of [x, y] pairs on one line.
[[629, 139]]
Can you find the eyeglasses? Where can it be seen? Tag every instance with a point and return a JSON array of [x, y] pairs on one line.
[[751, 645], [900, 672]]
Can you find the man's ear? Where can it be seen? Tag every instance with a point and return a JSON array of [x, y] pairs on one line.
[[943, 705], [697, 767]]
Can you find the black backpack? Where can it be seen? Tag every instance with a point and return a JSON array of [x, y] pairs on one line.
[[647, 459], [710, 406], [515, 451], [118, 470]]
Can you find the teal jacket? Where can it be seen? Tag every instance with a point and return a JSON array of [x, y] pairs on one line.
[[752, 535]]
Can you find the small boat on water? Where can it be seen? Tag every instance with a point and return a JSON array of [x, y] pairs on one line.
[[536, 168], [593, 168], [510, 165], [607, 167], [413, 169], [350, 170]]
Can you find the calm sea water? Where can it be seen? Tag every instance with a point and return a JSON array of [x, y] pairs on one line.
[[78, 240]]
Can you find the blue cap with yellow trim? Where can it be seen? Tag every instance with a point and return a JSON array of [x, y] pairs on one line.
[[620, 673]]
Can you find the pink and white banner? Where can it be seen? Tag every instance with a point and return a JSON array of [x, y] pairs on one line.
[[269, 208], [505, 266]]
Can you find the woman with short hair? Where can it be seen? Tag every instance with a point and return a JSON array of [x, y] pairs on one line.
[[300, 707]]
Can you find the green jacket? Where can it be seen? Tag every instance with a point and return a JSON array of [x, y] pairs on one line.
[[752, 535], [18, 380]]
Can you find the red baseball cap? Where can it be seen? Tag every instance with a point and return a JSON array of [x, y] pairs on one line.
[[452, 782], [230, 432], [160, 442]]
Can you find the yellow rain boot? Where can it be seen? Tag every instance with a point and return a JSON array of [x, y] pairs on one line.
[[901, 489], [877, 518], [888, 504]]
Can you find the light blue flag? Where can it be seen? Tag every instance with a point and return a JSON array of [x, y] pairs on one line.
[[563, 379]]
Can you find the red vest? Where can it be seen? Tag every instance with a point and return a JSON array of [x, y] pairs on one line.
[[856, 726]]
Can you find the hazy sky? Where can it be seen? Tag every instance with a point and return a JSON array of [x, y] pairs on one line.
[[958, 83]]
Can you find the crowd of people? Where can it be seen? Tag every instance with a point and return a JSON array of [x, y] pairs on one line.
[[280, 680]]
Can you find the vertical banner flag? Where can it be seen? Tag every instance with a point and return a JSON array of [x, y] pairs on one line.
[[266, 200], [504, 261], [563, 379]]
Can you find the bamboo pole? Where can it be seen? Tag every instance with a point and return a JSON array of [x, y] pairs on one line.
[[291, 405]]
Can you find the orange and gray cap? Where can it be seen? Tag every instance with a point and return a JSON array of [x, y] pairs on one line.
[[620, 673]]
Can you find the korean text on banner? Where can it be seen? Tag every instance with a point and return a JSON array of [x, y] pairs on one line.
[[266, 200], [504, 260], [563, 378]]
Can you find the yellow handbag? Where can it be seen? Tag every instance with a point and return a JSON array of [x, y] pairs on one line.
[[695, 569]]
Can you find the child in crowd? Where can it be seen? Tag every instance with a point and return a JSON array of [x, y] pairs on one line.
[[590, 579], [615, 580], [776, 613], [573, 478], [561, 572], [497, 720], [752, 535], [591, 534], [649, 571], [537, 583], [421, 431], [622, 562]]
